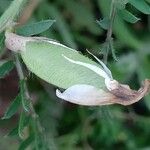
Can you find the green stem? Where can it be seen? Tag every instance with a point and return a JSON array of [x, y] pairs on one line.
[[109, 31], [32, 110]]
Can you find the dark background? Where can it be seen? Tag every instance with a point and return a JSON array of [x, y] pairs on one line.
[[73, 127]]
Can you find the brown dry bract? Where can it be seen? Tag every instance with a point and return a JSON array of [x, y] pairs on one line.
[[125, 96]]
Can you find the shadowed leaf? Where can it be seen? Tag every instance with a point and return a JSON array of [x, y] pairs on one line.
[[5, 68], [24, 100], [127, 16], [104, 23], [13, 108], [21, 125], [141, 5], [35, 28], [26, 143]]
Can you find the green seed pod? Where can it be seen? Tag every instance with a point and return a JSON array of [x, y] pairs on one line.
[[87, 82], [45, 59]]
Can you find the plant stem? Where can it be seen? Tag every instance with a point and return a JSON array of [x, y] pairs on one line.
[[109, 31], [21, 74], [32, 110]]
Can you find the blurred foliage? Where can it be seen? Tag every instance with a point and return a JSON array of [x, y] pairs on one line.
[[72, 127]]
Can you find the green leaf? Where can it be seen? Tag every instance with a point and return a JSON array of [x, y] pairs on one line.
[[121, 4], [35, 28], [24, 100], [21, 124], [38, 137], [5, 68], [120, 28], [9, 16], [127, 16], [13, 132], [4, 5], [24, 145], [104, 23], [13, 108], [148, 1], [141, 5], [1, 43]]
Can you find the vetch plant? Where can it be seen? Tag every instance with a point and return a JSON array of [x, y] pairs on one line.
[[82, 80]]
